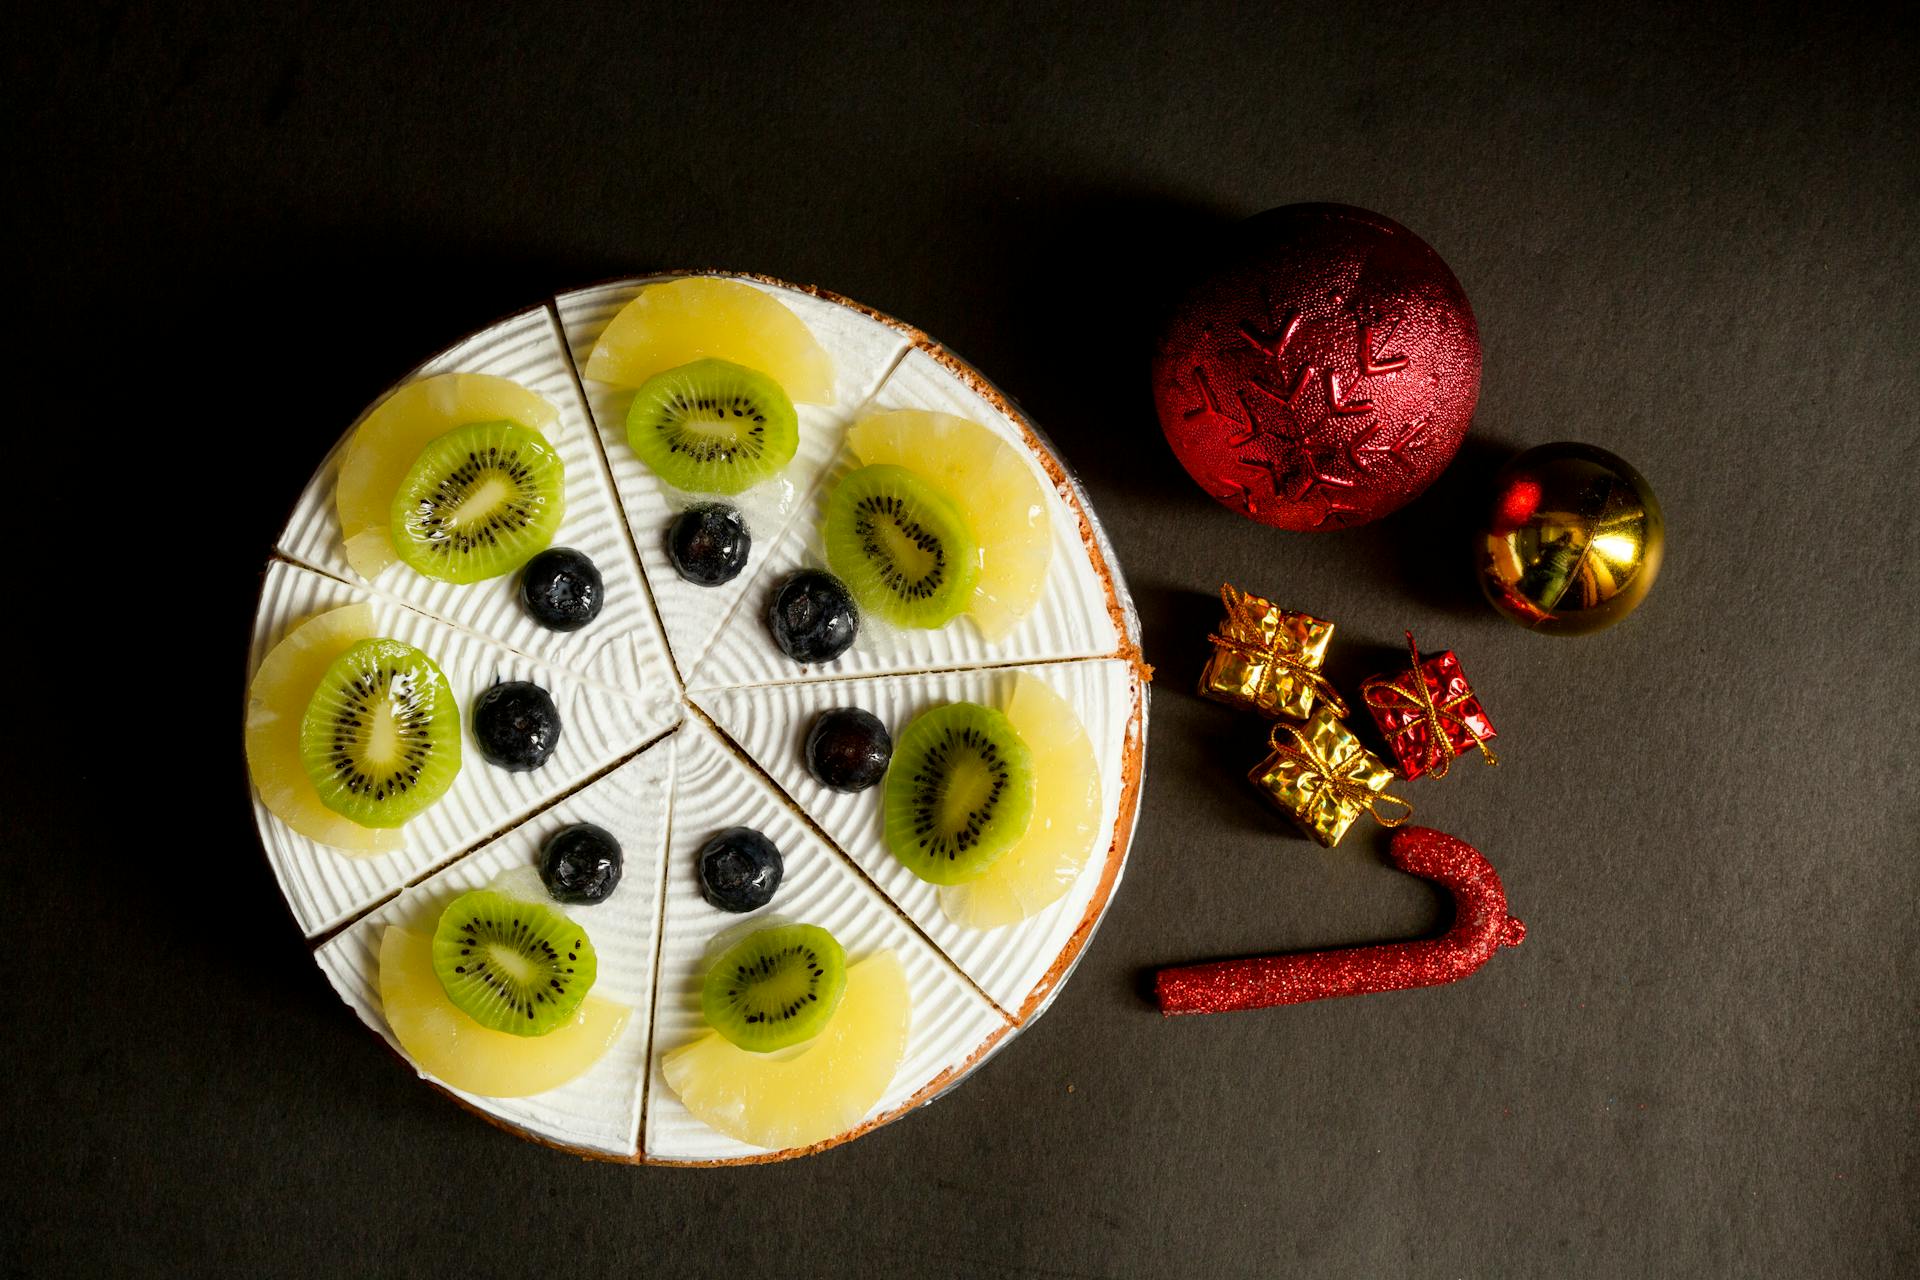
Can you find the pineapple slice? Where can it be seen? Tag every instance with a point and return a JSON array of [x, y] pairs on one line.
[[823, 1088], [383, 449], [701, 317], [276, 705], [995, 490], [1037, 872], [455, 1050]]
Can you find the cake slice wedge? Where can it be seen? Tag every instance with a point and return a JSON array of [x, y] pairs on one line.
[[325, 885], [623, 646], [862, 349], [1019, 964], [599, 1108], [951, 1022], [1075, 613]]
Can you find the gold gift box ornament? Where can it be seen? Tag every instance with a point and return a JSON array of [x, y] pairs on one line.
[[1267, 659], [1320, 776]]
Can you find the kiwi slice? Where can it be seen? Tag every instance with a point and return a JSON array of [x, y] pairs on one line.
[[381, 736], [959, 792], [775, 987], [900, 546], [512, 964], [712, 426], [479, 501]]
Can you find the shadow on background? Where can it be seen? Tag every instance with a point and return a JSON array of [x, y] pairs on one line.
[[371, 308], [1074, 289], [1075, 285], [1425, 549], [1434, 917], [1206, 760]]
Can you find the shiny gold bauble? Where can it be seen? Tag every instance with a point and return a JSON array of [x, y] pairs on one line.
[[1573, 540]]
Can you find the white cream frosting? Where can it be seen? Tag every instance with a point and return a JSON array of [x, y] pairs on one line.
[[619, 689]]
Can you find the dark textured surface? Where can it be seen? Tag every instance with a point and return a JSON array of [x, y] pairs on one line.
[[1689, 238]]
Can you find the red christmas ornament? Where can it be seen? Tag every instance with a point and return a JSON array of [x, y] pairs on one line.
[[1324, 374], [1481, 926]]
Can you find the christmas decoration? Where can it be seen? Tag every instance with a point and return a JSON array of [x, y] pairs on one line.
[[1428, 714], [1481, 926], [1268, 660], [1320, 776], [1323, 374], [1573, 540]]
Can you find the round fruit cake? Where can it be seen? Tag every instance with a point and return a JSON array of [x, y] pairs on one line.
[[695, 720]]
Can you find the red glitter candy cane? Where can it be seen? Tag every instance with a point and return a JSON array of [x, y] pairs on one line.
[[1481, 926]]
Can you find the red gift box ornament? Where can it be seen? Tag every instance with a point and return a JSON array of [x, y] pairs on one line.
[[1428, 714], [1481, 926]]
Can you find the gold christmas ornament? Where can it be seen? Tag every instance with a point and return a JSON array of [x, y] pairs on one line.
[[1574, 539]]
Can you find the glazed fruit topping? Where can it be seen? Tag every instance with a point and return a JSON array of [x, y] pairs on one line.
[[848, 749], [900, 546], [812, 1093], [381, 735], [991, 485], [390, 440], [510, 964], [962, 793], [478, 502], [277, 704], [581, 864], [680, 321], [1060, 836], [708, 544], [775, 988], [739, 870], [561, 589], [713, 427], [451, 1046], [516, 725], [812, 617]]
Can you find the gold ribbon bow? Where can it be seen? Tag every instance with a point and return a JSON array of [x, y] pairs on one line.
[[1243, 616], [1384, 694], [1331, 777]]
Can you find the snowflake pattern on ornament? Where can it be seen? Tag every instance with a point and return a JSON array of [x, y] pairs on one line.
[[1323, 373], [1309, 353]]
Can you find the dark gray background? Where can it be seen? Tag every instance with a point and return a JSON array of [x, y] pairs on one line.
[[1690, 238]]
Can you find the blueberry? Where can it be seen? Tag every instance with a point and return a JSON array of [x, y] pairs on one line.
[[580, 864], [708, 544], [813, 617], [561, 589], [517, 725], [848, 749], [739, 870]]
